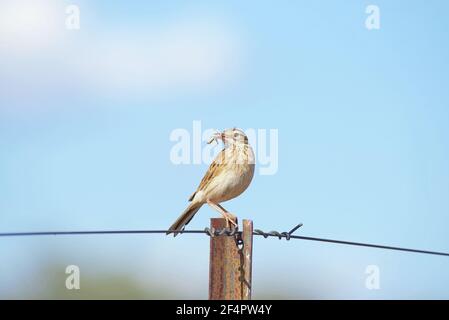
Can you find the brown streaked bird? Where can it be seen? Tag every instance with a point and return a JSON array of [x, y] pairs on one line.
[[228, 176]]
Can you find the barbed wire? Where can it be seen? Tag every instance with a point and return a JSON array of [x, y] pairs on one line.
[[212, 232]]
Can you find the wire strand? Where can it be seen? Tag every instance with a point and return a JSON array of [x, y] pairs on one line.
[[370, 245], [211, 232]]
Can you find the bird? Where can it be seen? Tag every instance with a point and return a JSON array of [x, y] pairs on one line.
[[228, 176]]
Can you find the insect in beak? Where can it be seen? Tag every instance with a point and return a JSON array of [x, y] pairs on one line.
[[215, 137]]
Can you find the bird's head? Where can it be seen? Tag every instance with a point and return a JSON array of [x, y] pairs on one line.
[[229, 137]]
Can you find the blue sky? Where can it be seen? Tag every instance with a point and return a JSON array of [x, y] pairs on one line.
[[362, 116]]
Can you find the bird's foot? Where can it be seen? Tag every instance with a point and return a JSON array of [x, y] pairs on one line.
[[231, 221]]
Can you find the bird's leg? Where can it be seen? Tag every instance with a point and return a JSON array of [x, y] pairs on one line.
[[229, 217]]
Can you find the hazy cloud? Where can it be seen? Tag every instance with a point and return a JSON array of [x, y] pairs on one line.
[[40, 57]]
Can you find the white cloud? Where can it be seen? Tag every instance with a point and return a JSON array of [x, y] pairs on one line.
[[28, 25], [43, 57]]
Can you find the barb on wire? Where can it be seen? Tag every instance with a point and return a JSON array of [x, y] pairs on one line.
[[280, 235], [212, 232]]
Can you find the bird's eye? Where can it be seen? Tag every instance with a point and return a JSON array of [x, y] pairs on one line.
[[236, 135]]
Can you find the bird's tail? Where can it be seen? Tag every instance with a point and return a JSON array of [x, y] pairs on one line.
[[184, 218]]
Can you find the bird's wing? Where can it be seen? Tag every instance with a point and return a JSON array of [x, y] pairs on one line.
[[214, 170]]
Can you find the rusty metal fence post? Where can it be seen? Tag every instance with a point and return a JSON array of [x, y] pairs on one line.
[[230, 263], [247, 258]]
